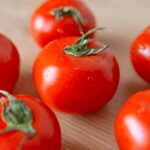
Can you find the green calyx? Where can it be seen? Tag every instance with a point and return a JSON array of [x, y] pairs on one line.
[[80, 47], [17, 115], [69, 11]]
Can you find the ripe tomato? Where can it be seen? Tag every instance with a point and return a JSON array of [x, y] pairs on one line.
[[60, 18], [9, 64], [72, 75], [27, 124], [140, 55], [132, 126]]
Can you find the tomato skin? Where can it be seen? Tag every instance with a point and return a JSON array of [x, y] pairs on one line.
[[9, 64], [132, 126], [140, 55], [45, 28], [75, 84], [47, 135]]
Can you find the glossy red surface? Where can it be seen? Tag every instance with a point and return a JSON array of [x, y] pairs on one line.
[[132, 126], [44, 27], [47, 135], [140, 55], [75, 84], [9, 64]]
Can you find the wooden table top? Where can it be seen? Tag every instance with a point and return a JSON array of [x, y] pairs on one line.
[[123, 20]]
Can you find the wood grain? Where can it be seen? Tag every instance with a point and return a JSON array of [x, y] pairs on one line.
[[123, 20]]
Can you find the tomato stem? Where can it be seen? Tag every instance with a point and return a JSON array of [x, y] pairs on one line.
[[17, 115], [80, 47], [69, 11]]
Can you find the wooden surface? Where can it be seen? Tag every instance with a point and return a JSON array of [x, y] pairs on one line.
[[123, 20]]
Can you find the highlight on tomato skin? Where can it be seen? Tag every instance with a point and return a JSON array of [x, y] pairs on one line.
[[74, 77], [56, 19], [26, 123], [9, 64], [132, 125], [140, 54]]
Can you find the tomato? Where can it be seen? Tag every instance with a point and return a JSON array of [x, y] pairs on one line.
[[9, 64], [72, 75], [26, 123], [132, 126], [140, 54], [60, 18]]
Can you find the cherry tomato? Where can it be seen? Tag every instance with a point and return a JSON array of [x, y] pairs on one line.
[[132, 126], [140, 54], [60, 18], [26, 123], [76, 75], [9, 64]]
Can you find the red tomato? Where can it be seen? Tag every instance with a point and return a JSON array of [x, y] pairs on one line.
[[60, 18], [132, 126], [9, 64], [140, 55], [76, 80], [27, 124]]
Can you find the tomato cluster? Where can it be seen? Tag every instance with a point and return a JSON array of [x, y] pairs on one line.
[[73, 73]]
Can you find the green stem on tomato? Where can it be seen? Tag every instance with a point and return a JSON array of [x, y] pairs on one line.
[[17, 115], [69, 11], [80, 47]]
